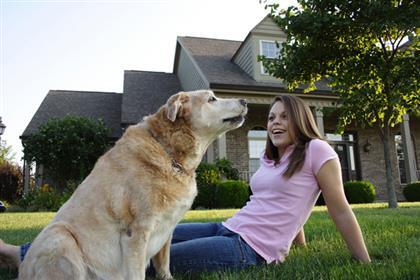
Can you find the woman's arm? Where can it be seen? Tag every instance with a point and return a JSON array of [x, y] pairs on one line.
[[300, 238], [330, 182]]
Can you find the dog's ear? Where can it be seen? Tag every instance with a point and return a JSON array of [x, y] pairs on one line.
[[174, 105]]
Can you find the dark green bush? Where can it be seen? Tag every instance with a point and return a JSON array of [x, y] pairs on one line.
[[207, 178], [231, 194], [67, 147], [412, 191], [226, 170], [359, 191]]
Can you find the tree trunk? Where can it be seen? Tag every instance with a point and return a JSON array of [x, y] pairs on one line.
[[392, 197]]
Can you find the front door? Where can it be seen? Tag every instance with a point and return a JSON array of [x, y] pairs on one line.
[[345, 147]]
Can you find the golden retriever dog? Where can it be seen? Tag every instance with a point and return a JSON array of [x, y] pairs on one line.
[[123, 214]]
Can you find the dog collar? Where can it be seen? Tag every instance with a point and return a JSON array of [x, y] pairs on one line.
[[177, 166]]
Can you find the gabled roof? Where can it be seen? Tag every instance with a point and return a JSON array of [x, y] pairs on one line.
[[145, 92], [95, 105], [214, 58]]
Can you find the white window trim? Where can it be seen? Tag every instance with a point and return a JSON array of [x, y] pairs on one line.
[[261, 53]]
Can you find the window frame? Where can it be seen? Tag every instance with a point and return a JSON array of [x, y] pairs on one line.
[[263, 72]]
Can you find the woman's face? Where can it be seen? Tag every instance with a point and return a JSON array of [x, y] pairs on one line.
[[278, 127]]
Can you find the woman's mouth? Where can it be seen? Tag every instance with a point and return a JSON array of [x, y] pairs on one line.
[[278, 131]]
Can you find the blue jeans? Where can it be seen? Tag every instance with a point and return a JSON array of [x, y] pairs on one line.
[[198, 247]]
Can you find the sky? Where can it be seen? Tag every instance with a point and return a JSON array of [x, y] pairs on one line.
[[87, 44]]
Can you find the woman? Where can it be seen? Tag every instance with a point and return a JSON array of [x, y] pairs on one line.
[[295, 167]]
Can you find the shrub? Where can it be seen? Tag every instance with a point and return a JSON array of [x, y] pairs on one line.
[[231, 194], [68, 147], [412, 191], [207, 178], [226, 170], [11, 181], [359, 191], [44, 198]]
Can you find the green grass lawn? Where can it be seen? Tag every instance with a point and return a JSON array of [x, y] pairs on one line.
[[392, 237]]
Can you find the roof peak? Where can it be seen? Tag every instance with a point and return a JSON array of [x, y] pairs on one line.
[[80, 91], [145, 71], [206, 38]]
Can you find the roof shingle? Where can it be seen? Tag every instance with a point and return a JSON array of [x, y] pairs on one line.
[[95, 105], [145, 92], [214, 58]]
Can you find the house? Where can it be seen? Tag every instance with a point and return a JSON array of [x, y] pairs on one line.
[[230, 69]]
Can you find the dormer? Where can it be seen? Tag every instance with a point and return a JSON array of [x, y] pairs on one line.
[[261, 40]]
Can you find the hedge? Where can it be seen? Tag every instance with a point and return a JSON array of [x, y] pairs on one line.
[[231, 194], [412, 191]]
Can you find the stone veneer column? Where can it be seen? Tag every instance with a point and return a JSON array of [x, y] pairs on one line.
[[319, 118], [210, 153], [221, 144], [409, 160]]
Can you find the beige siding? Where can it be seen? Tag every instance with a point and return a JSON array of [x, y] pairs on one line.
[[258, 76], [245, 58], [188, 74], [267, 26]]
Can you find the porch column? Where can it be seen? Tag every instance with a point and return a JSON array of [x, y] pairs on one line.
[[409, 159], [221, 146], [319, 118], [210, 153], [26, 176]]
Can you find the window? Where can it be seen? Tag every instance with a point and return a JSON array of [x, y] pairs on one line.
[[257, 138], [345, 147], [268, 49]]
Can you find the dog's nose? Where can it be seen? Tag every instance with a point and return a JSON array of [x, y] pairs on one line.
[[243, 102]]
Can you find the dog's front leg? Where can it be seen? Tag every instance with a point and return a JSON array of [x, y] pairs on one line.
[[161, 261], [134, 248]]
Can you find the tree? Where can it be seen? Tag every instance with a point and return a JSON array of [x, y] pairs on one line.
[[10, 174], [11, 181], [6, 154], [67, 148], [367, 51]]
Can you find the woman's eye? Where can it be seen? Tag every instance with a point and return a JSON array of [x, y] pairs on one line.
[[270, 118], [212, 99]]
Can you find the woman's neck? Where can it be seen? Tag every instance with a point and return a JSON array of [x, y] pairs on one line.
[[281, 150]]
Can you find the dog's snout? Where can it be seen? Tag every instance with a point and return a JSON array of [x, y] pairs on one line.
[[243, 102]]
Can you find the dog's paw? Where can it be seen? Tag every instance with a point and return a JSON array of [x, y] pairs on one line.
[[166, 276]]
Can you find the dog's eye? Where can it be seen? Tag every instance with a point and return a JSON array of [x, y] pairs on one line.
[[212, 99]]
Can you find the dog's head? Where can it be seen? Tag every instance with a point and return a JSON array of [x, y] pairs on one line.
[[209, 116]]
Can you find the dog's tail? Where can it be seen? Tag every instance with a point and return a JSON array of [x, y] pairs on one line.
[[55, 254]]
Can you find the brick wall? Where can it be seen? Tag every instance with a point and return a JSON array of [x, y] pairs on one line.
[[237, 140]]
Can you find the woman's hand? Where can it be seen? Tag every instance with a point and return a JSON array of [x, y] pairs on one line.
[[330, 182], [300, 238]]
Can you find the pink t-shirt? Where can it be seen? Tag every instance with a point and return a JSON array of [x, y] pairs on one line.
[[279, 207]]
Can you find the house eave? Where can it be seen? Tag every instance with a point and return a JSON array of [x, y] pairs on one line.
[[269, 89]]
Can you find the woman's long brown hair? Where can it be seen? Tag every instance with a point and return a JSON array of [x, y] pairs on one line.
[[302, 129]]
